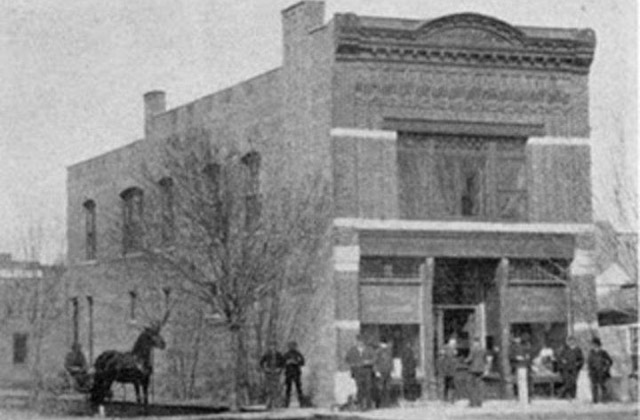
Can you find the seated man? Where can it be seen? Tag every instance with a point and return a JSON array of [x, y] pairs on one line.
[[76, 364], [543, 362]]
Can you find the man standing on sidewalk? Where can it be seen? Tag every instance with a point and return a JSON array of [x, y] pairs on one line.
[[598, 362], [383, 368], [570, 361], [477, 363], [360, 359], [520, 357], [293, 362], [447, 369], [272, 364]]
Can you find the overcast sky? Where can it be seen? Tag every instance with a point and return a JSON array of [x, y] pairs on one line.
[[73, 72]]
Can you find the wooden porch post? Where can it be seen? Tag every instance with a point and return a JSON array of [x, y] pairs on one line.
[[427, 274], [502, 277]]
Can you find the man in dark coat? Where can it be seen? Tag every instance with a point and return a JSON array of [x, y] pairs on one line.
[[272, 363], [570, 361], [447, 365], [477, 360], [293, 362], [383, 367], [409, 366], [598, 363], [360, 359]]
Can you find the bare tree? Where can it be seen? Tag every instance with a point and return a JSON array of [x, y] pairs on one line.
[[34, 300], [229, 242]]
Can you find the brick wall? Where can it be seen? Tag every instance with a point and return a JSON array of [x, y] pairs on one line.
[[559, 181], [368, 93]]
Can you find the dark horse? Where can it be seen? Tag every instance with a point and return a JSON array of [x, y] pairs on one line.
[[132, 367]]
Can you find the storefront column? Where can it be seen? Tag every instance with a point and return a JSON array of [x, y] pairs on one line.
[[583, 304], [430, 387], [346, 265], [502, 278]]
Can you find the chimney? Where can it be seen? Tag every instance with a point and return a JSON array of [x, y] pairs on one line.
[[154, 104], [297, 21]]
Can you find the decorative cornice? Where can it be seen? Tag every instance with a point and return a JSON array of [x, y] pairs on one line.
[[559, 141], [466, 39]]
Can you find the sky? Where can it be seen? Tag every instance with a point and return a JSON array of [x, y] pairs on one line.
[[73, 72]]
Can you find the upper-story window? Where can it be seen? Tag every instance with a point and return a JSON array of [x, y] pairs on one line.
[[253, 205], [468, 177], [167, 221], [132, 228], [89, 208], [212, 197]]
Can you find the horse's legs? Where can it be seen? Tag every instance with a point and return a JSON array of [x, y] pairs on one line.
[[137, 388], [145, 390]]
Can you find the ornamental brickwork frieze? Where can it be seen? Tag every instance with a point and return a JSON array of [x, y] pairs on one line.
[[466, 91], [465, 39]]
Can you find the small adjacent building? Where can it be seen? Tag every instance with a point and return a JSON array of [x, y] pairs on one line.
[[32, 307], [457, 150]]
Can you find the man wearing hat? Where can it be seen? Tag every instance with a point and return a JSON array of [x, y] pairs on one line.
[[293, 362], [598, 362], [477, 361], [570, 361]]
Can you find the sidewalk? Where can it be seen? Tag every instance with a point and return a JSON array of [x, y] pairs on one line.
[[507, 409]]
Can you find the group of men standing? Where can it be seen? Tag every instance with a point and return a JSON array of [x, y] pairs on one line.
[[570, 360], [273, 363], [599, 363], [372, 367]]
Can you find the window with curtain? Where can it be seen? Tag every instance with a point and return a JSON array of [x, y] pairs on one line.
[[132, 222], [89, 208]]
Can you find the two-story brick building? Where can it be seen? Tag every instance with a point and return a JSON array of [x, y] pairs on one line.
[[457, 150]]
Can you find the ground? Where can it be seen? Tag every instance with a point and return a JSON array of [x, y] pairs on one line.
[[500, 410]]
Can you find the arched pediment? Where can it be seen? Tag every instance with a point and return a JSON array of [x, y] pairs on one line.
[[470, 29]]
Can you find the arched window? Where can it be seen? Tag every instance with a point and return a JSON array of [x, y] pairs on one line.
[[167, 209], [253, 205], [89, 207], [131, 219]]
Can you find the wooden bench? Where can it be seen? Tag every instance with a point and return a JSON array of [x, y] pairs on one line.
[[547, 380]]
